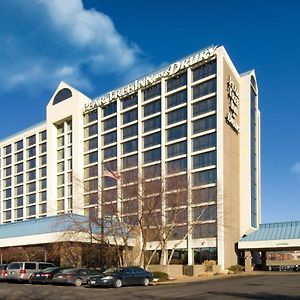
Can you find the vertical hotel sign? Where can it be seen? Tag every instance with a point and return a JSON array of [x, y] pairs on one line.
[[233, 96]]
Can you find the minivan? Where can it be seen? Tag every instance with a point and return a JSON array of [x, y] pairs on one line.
[[21, 271]]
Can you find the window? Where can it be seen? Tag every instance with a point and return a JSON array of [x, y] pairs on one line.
[[43, 135], [91, 171], [60, 129], [31, 187], [111, 165], [204, 106], [43, 172], [7, 182], [43, 184], [176, 166], [152, 155], [19, 156], [19, 145], [130, 131], [152, 139], [43, 160], [7, 150], [152, 124], [110, 138], [152, 108], [205, 213], [60, 167], [43, 196], [177, 149], [109, 109], [7, 193], [176, 132], [152, 171], [130, 161], [204, 230], [19, 168], [205, 159], [176, 82], [204, 124], [91, 158], [91, 130], [91, 144], [177, 115], [205, 177], [129, 101], [31, 140], [31, 163], [176, 99], [130, 116], [204, 142], [91, 116], [7, 160], [7, 171], [204, 71], [152, 92], [43, 148], [19, 179], [31, 152], [60, 154], [204, 88], [60, 192], [110, 152], [19, 213], [31, 175], [110, 123], [19, 201], [62, 95], [31, 212], [130, 146]]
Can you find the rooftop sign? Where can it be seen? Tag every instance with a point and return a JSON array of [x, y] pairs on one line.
[[168, 71]]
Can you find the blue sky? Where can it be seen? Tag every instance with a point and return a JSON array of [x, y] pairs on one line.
[[97, 45]]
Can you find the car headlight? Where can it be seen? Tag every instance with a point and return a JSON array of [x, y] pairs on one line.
[[107, 277]]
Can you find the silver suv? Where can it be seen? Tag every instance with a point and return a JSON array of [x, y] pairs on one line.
[[21, 271]]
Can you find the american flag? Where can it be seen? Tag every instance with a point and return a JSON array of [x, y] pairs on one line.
[[112, 174]]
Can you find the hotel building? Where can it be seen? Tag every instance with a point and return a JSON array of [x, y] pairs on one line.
[[196, 120]]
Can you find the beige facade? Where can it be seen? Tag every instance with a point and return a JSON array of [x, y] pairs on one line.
[[189, 120]]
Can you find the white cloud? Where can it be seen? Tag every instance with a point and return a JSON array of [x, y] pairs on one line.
[[296, 169], [61, 40]]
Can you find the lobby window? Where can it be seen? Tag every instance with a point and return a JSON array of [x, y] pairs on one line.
[[110, 152], [110, 138], [31, 140], [109, 109], [176, 99], [130, 146], [91, 117], [177, 149], [152, 155], [176, 166], [152, 124], [19, 145], [109, 123], [91, 130], [205, 159], [176, 82], [152, 108], [205, 177], [177, 115], [130, 101], [130, 131], [152, 139], [130, 116], [177, 132], [204, 106], [91, 144], [205, 70], [204, 124], [152, 91], [204, 142], [204, 88], [130, 161]]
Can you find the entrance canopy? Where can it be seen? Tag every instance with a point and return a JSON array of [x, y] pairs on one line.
[[273, 236]]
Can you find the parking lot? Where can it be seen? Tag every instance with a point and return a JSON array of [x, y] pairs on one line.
[[275, 286]]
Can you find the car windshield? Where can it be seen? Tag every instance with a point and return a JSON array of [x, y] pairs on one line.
[[112, 271], [70, 271], [49, 269]]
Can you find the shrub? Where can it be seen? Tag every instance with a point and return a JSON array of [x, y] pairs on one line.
[[236, 268], [161, 276]]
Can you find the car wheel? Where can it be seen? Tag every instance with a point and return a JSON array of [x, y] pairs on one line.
[[118, 283], [146, 281], [78, 282]]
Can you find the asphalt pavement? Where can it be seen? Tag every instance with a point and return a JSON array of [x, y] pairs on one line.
[[265, 286]]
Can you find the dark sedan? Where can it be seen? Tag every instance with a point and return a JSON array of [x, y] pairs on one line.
[[117, 277], [44, 276], [75, 276]]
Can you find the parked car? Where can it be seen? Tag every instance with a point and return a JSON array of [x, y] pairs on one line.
[[21, 271], [117, 277], [3, 271], [44, 276], [75, 276]]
